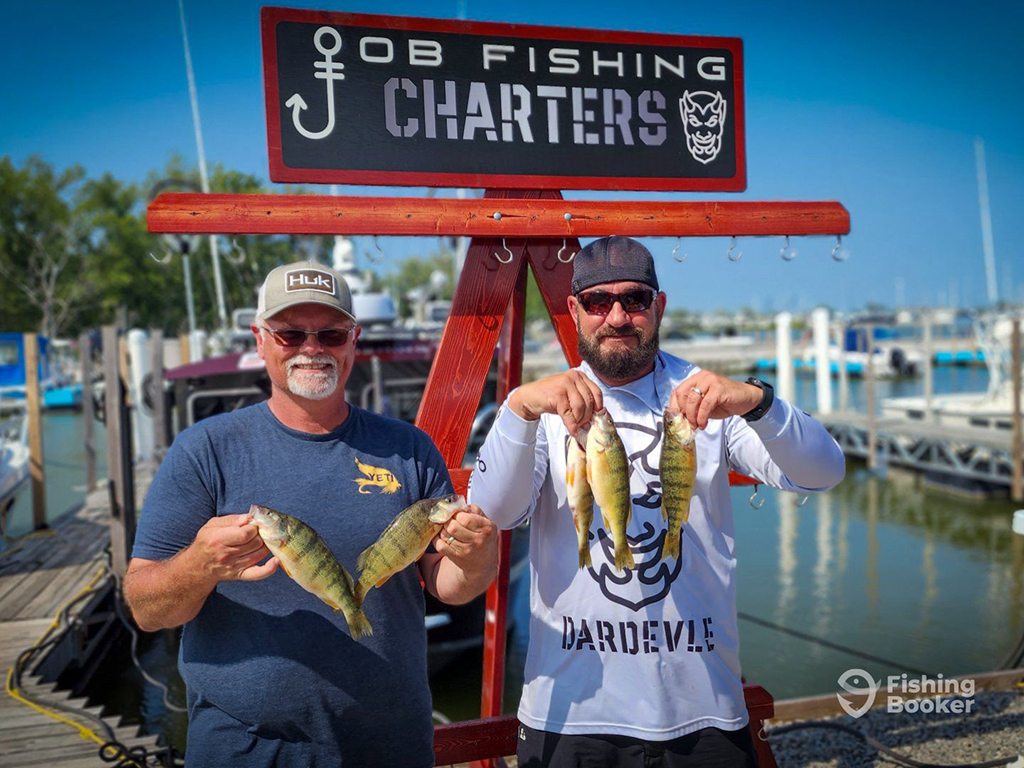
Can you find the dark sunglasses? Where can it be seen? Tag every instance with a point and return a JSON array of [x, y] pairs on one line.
[[601, 302], [328, 337]]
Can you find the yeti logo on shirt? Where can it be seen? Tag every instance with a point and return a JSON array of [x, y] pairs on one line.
[[378, 477], [654, 574]]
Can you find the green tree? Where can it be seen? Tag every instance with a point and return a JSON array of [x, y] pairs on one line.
[[41, 246]]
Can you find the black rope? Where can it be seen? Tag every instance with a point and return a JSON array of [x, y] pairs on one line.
[[829, 644]]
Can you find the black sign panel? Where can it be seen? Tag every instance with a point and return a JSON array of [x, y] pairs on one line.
[[391, 100]]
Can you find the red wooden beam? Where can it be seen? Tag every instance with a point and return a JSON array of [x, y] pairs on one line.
[[520, 217], [494, 737]]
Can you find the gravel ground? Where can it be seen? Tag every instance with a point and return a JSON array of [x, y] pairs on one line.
[[993, 729]]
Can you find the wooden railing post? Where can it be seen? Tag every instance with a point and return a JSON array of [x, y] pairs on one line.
[[119, 452], [156, 367], [88, 411], [34, 404]]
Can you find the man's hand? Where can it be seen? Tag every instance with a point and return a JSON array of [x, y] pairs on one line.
[[722, 397], [228, 548], [469, 540], [570, 395]]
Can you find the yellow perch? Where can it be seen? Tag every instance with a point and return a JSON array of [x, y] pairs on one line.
[[608, 476], [678, 468], [308, 560], [581, 499], [404, 541]]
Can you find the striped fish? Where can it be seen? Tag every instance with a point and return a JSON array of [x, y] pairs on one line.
[[678, 469], [308, 560], [404, 541]]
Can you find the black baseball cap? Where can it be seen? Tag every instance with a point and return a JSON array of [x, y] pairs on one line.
[[610, 260]]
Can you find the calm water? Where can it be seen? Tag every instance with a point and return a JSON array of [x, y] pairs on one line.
[[919, 579]]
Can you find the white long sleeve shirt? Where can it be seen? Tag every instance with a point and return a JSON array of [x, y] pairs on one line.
[[651, 653]]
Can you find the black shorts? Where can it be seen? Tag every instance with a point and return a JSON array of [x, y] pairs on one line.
[[706, 748]]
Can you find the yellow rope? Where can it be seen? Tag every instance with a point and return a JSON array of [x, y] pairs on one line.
[[13, 691]]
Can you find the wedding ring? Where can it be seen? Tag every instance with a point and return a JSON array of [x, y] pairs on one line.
[[698, 390], [450, 540]]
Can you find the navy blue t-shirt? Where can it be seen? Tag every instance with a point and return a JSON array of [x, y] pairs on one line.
[[273, 677]]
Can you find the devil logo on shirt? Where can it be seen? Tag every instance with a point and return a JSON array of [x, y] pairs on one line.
[[654, 574]]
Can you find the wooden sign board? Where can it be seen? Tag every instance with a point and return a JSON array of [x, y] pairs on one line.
[[367, 99]]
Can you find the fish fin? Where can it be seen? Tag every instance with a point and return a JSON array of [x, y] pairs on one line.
[[358, 624], [664, 511], [671, 548], [585, 561], [606, 521], [363, 556], [383, 581], [624, 557], [285, 568]]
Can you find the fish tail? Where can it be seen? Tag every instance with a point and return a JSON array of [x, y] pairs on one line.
[[585, 561], [671, 548], [624, 556], [358, 624]]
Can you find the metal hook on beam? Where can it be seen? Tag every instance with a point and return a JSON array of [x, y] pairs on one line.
[[679, 243], [837, 254], [787, 253], [560, 252], [238, 260], [732, 246], [755, 495], [379, 256], [507, 250], [165, 260]]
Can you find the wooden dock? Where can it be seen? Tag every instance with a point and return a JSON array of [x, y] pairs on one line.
[[967, 454], [38, 578]]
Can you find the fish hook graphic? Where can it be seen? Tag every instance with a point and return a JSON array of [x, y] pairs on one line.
[[331, 72]]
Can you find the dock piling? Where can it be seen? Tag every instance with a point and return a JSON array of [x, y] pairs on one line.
[[869, 380], [34, 404], [119, 452], [1017, 487], [88, 411]]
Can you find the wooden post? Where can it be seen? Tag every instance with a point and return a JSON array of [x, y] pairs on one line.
[[34, 404], [186, 355], [869, 370], [1017, 490], [88, 411], [156, 367], [929, 387], [119, 453]]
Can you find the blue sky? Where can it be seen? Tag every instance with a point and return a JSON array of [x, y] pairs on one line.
[[873, 104]]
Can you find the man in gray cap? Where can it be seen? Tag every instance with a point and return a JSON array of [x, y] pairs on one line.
[[272, 676], [640, 666]]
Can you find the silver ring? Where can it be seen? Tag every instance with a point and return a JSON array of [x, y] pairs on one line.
[[698, 390], [450, 540]]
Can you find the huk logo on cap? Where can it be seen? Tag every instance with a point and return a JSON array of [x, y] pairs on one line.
[[309, 280]]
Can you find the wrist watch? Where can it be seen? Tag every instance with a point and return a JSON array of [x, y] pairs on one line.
[[767, 398]]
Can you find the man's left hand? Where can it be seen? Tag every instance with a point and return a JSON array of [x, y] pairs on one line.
[[470, 540], [707, 395]]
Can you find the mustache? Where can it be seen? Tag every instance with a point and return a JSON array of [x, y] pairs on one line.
[[627, 330], [312, 360]]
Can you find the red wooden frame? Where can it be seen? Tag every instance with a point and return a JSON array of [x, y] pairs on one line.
[[279, 172], [520, 216], [483, 739]]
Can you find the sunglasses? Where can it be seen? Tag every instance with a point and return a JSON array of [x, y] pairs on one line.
[[601, 302], [292, 337]]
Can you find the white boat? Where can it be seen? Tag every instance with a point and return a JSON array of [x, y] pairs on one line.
[[14, 459], [991, 409]]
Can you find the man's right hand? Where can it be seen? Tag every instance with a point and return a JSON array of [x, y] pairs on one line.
[[229, 548], [570, 395]]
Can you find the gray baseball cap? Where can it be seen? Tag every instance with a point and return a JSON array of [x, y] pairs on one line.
[[303, 282], [611, 260]]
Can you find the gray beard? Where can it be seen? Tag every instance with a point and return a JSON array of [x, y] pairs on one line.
[[624, 364]]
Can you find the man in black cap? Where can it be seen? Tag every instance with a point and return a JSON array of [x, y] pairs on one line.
[[637, 667]]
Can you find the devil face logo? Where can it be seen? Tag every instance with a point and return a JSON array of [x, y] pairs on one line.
[[654, 574], [703, 116]]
